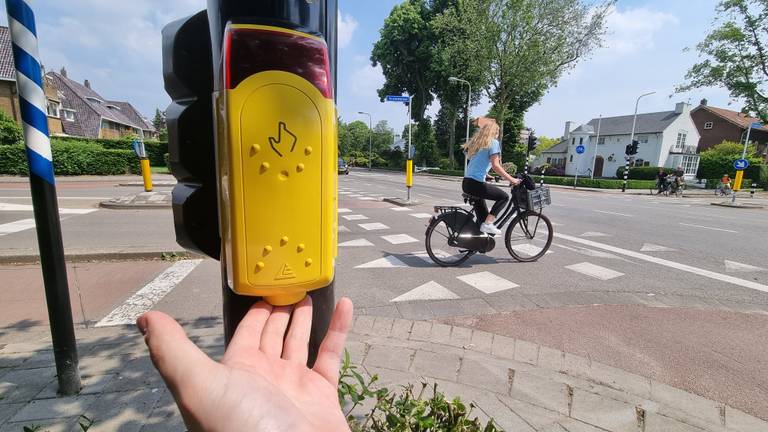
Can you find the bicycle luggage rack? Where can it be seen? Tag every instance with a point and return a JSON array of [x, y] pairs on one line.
[[537, 199]]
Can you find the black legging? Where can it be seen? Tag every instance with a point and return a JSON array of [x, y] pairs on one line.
[[485, 191]]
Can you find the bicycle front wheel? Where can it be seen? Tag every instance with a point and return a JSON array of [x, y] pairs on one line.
[[441, 245], [529, 236]]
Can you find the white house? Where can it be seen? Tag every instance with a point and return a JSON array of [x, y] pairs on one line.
[[667, 139]]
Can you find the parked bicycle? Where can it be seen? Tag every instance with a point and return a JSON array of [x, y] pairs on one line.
[[453, 234]]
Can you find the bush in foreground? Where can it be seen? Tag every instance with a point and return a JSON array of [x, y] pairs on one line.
[[72, 158]]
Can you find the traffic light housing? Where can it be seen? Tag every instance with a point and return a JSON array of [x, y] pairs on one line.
[[633, 148], [532, 142], [188, 75]]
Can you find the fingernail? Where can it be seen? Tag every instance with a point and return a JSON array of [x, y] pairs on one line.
[[141, 323]]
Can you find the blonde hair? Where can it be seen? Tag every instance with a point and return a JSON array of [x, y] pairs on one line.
[[481, 139]]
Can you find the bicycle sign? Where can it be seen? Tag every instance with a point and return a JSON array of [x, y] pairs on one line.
[[580, 149], [741, 164]]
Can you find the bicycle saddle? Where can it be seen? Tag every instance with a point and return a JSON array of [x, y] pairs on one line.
[[470, 198]]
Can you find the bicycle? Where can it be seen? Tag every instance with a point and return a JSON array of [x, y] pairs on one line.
[[527, 238]]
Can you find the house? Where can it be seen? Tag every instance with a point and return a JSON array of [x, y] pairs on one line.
[[554, 156], [716, 125], [9, 95], [86, 113], [667, 138]]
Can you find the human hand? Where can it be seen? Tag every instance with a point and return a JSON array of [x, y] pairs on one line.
[[262, 383], [514, 181]]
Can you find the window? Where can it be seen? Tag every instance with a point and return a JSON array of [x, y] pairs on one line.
[[549, 160], [690, 164], [93, 99], [601, 141], [69, 114], [639, 162], [571, 158], [573, 141], [708, 125], [581, 140], [642, 139], [54, 108], [680, 144]]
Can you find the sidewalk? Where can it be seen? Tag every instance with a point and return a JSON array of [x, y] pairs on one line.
[[523, 386], [128, 178]]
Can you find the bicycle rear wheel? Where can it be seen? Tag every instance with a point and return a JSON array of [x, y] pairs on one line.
[[529, 236], [441, 245]]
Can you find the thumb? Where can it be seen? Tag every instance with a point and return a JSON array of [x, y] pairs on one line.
[[173, 354]]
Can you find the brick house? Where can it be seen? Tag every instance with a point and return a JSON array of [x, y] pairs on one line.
[[9, 95], [86, 113], [716, 125]]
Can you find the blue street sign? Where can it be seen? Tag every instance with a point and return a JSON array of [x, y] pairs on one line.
[[756, 125], [580, 149], [741, 164], [397, 98]]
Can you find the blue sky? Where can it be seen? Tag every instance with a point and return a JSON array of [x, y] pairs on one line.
[[116, 45]]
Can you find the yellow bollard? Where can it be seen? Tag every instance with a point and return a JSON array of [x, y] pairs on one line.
[[737, 180], [146, 173], [409, 173]]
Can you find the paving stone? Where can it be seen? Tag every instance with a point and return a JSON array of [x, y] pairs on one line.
[[619, 379], [736, 420], [382, 326], [576, 365], [401, 328], [573, 425], [357, 351], [537, 417], [389, 357], [364, 324], [421, 331], [123, 411], [603, 412], [440, 333], [539, 391], [21, 385], [91, 385], [526, 352], [503, 347], [656, 422], [460, 337], [54, 408], [8, 410], [689, 403], [137, 374], [92, 365], [390, 378], [551, 358], [51, 425], [436, 365], [12, 359], [481, 341], [388, 311], [460, 307], [26, 347], [506, 302], [486, 375], [415, 311]]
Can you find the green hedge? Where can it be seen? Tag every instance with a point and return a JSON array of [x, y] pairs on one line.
[[73, 158], [642, 173], [156, 150], [597, 183], [455, 173]]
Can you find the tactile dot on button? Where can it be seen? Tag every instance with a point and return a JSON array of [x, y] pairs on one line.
[[255, 149], [300, 167], [259, 266], [264, 166], [300, 248], [267, 249], [308, 262], [308, 150], [284, 240], [283, 175]]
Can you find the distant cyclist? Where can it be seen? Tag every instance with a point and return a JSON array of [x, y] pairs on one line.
[[484, 153], [661, 180]]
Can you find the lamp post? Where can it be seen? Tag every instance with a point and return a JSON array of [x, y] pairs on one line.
[[632, 138], [370, 138], [469, 105]]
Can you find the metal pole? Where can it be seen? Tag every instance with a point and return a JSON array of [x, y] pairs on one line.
[[469, 105], [632, 138], [746, 142], [29, 79], [594, 153], [370, 138], [409, 165]]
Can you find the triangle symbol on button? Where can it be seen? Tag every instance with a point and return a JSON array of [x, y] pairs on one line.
[[285, 273]]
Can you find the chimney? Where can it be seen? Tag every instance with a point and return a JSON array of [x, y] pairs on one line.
[[704, 102], [87, 84], [682, 108], [567, 131], [63, 72]]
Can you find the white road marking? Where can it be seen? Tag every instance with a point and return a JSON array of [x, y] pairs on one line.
[[356, 243], [595, 271], [400, 209], [667, 263], [93, 198], [367, 198], [354, 196], [423, 255], [588, 252], [355, 217], [345, 193], [612, 213], [399, 239], [344, 210], [14, 227], [29, 208], [429, 291], [388, 261], [594, 234], [650, 247], [733, 267], [528, 249], [487, 282], [373, 226], [148, 296], [424, 195], [709, 228], [342, 228], [557, 224], [421, 215]]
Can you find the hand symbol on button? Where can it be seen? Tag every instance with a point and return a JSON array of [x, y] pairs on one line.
[[276, 143]]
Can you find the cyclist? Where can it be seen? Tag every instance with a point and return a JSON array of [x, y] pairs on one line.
[[661, 180], [484, 153], [725, 186]]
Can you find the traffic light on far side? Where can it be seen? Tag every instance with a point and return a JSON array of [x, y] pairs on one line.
[[633, 148], [532, 142], [188, 76]]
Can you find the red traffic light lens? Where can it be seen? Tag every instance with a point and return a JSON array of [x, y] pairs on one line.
[[253, 49]]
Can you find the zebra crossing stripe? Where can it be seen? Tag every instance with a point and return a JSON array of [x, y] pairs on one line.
[[399, 239], [595, 271], [388, 261], [429, 291], [487, 282], [373, 226], [356, 243]]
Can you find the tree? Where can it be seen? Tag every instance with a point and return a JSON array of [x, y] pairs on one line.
[[545, 143], [718, 160], [10, 131], [736, 55], [353, 137], [527, 45]]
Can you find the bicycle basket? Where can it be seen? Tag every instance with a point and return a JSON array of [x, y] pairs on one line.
[[536, 199]]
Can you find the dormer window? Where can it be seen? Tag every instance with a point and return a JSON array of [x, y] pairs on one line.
[[68, 114], [93, 99], [110, 106]]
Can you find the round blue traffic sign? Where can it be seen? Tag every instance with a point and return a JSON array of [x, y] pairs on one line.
[[580, 149], [741, 164]]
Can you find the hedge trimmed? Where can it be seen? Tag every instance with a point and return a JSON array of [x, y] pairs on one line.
[[156, 150], [642, 173], [73, 158], [597, 183]]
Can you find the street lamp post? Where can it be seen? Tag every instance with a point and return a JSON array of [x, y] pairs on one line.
[[632, 138], [469, 105], [370, 138]]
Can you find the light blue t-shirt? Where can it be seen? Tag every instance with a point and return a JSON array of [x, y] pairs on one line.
[[480, 163]]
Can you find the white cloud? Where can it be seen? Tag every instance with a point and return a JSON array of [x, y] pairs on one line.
[[366, 80], [346, 28], [634, 30]]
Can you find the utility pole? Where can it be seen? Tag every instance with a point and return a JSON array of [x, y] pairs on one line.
[[370, 138], [469, 106], [597, 141], [632, 138]]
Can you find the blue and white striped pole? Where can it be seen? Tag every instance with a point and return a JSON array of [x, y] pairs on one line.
[[29, 80]]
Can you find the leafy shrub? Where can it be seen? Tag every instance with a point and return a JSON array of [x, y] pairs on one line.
[[718, 160], [10, 131], [598, 183], [549, 169], [72, 158], [167, 160], [156, 150], [510, 168], [641, 173], [455, 173]]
